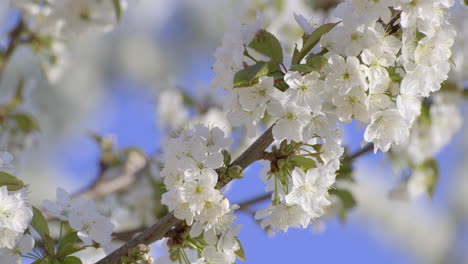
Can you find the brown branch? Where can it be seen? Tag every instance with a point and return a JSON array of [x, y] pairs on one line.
[[159, 229], [246, 204], [102, 188], [129, 234], [255, 151], [15, 40], [360, 152], [153, 233], [99, 179]]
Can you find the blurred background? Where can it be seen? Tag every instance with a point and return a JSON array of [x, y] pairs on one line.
[[153, 72]]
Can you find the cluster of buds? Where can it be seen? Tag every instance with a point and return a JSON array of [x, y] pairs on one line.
[[138, 254]]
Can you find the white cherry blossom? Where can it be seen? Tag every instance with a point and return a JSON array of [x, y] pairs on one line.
[[309, 190], [304, 90], [344, 74], [291, 120], [386, 128]]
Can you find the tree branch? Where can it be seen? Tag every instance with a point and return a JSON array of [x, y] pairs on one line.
[[153, 233], [246, 204], [360, 152], [255, 151], [102, 188], [159, 229], [15, 40]]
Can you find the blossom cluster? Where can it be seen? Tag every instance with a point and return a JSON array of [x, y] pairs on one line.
[[48, 23], [15, 216], [83, 216], [190, 176], [304, 200], [429, 137], [58, 17], [376, 65]]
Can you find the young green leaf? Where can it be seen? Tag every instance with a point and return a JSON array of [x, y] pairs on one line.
[[394, 76], [117, 9], [311, 40], [432, 168], [65, 245], [39, 223], [69, 249], [304, 163], [43, 261], [317, 62], [71, 260], [295, 57], [249, 76], [304, 68], [347, 200], [11, 182], [465, 94], [240, 253], [268, 45], [345, 173], [25, 122]]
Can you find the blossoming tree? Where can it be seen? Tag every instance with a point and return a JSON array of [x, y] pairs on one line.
[[285, 99]]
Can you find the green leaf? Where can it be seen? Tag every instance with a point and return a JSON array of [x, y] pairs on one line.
[[240, 253], [302, 68], [347, 200], [420, 35], [69, 249], [117, 9], [18, 98], [279, 5], [25, 122], [317, 62], [295, 57], [279, 82], [394, 76], [42, 261], [249, 76], [71, 260], [39, 223], [345, 173], [432, 168], [314, 63], [311, 40], [268, 45], [465, 92], [64, 244], [304, 163], [11, 182]]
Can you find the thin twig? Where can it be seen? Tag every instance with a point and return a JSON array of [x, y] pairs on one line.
[[15, 40], [121, 182], [362, 151], [246, 204]]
